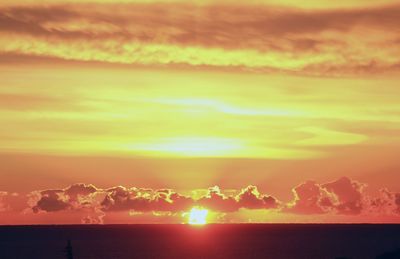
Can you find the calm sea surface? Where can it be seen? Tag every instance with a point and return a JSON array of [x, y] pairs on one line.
[[210, 241]]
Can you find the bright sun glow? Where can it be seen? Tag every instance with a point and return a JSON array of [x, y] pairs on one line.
[[197, 216], [192, 146]]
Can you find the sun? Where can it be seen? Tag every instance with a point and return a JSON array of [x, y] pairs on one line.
[[197, 216]]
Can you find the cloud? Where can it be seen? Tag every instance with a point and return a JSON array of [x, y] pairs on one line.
[[77, 196], [247, 198], [187, 24], [251, 198], [310, 198], [309, 4], [81, 198], [387, 203], [246, 37], [78, 190], [349, 193], [11, 202], [28, 102], [50, 201], [343, 196], [145, 200], [214, 199], [90, 200]]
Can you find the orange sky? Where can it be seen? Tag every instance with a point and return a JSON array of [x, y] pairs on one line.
[[264, 111]]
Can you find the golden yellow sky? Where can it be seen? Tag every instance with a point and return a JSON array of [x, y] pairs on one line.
[[189, 95]]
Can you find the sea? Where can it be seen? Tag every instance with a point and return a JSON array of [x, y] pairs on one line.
[[276, 241]]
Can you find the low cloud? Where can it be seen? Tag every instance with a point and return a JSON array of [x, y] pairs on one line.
[[11, 202], [247, 198], [81, 198], [343, 196], [350, 196], [251, 198], [50, 201], [311, 198], [216, 200], [145, 200], [88, 198], [387, 202]]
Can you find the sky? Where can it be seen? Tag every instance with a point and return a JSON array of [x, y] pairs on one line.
[[138, 111]]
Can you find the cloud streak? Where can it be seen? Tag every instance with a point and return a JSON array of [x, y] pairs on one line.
[[248, 37]]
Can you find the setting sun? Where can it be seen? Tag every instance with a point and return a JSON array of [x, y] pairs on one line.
[[197, 216]]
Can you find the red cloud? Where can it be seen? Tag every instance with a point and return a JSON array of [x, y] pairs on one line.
[[310, 198], [386, 203], [11, 202], [349, 193], [81, 197], [250, 198], [143, 200], [51, 200], [343, 196], [216, 200], [76, 196]]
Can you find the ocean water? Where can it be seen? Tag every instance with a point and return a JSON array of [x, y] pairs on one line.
[[278, 241]]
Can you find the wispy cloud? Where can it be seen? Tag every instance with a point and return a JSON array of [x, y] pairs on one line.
[[242, 37]]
